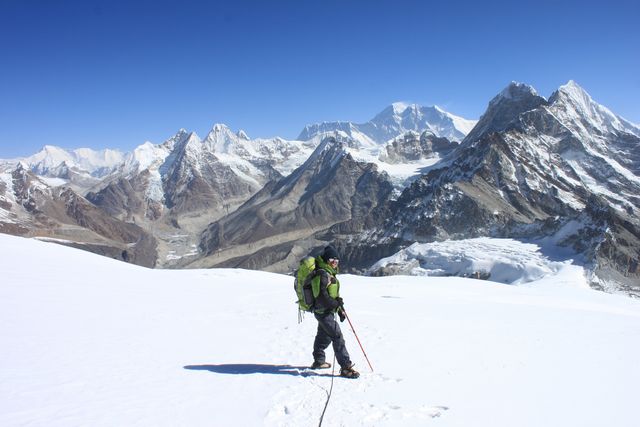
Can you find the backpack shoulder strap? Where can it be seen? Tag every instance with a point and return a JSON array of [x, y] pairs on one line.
[[310, 277]]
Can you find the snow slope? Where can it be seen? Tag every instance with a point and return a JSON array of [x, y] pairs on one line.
[[91, 341], [97, 163], [501, 260]]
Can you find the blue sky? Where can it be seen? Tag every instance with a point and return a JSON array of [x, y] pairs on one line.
[[114, 74]]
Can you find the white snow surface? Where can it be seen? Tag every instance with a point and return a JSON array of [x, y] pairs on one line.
[[581, 105], [401, 172], [516, 89], [54, 182], [50, 157], [7, 179], [460, 123], [150, 157], [87, 340], [505, 260], [7, 196]]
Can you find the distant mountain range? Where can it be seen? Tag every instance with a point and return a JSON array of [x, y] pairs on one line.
[[563, 172], [397, 119]]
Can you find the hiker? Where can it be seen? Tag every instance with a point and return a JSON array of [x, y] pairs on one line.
[[326, 290]]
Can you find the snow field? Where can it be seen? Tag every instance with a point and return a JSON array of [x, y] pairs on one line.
[[504, 260], [91, 341]]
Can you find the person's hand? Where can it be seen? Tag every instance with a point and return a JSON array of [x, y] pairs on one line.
[[340, 302], [333, 279], [341, 315]]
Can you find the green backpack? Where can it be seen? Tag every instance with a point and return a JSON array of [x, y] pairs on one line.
[[302, 284]]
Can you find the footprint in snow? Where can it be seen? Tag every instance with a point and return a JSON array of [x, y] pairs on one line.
[[424, 412], [433, 411], [389, 379]]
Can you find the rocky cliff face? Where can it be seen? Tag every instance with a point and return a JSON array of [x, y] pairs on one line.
[[177, 188], [330, 191], [413, 146], [30, 207], [529, 168]]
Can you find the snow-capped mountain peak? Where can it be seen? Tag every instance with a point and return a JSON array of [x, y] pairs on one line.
[[463, 125], [393, 121], [152, 156], [49, 156], [413, 111], [219, 127], [578, 97], [181, 138], [22, 166], [220, 139], [399, 107], [97, 163], [143, 156], [517, 90], [504, 109], [574, 105], [571, 87], [52, 149]]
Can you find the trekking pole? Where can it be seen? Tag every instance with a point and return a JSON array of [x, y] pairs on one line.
[[356, 335]]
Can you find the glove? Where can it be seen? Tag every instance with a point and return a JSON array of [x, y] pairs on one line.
[[340, 302], [341, 315], [333, 279]]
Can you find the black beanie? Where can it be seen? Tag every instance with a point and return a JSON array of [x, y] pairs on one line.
[[330, 252]]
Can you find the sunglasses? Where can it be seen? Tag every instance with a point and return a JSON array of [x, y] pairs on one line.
[[334, 260]]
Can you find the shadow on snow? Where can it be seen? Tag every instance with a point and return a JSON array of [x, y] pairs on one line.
[[253, 368]]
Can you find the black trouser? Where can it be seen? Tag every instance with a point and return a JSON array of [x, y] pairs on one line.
[[329, 332]]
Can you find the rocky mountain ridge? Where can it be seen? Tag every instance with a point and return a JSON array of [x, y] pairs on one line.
[[535, 169], [30, 207], [563, 172], [175, 189], [330, 190]]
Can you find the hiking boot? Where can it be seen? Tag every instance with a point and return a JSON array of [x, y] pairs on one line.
[[349, 372], [320, 365]]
